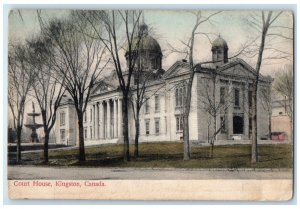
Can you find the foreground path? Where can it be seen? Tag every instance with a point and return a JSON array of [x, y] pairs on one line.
[[88, 173]]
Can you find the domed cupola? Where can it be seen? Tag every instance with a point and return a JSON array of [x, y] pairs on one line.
[[219, 51], [148, 50]]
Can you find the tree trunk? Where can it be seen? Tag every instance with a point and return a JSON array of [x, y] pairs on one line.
[[270, 127], [46, 132], [214, 137], [254, 154], [125, 128], [81, 137], [211, 150], [186, 144], [137, 134], [46, 146], [19, 135]]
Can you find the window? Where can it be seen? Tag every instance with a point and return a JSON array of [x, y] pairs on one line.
[[157, 103], [91, 132], [236, 97], [222, 95], [62, 118], [177, 97], [250, 98], [157, 126], [84, 116], [180, 94], [179, 123], [147, 127], [85, 133], [223, 124], [147, 106], [62, 135]]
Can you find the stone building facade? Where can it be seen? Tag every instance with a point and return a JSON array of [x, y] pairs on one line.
[[281, 121], [220, 102]]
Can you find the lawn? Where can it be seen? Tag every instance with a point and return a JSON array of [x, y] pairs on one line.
[[170, 155]]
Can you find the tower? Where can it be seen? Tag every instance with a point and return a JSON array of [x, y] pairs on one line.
[[219, 51], [148, 50]]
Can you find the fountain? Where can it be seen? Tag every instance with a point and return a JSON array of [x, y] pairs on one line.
[[34, 126]]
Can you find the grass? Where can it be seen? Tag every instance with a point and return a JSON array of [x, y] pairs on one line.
[[170, 155]]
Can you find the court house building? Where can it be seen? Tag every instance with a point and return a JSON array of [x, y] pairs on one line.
[[220, 103]]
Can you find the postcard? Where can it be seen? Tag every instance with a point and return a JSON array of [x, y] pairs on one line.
[[150, 104]]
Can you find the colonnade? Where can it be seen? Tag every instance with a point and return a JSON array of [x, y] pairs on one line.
[[107, 119]]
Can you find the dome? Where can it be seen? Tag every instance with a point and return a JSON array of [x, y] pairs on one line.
[[219, 43], [146, 42], [147, 50]]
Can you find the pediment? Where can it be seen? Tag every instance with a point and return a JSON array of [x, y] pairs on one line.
[[102, 87], [239, 68], [179, 68]]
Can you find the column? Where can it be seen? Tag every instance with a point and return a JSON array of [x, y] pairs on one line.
[[115, 119], [97, 121], [108, 130], [120, 119], [101, 120], [246, 111], [93, 122], [230, 113]]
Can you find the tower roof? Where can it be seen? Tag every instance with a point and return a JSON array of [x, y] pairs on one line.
[[219, 43], [146, 42]]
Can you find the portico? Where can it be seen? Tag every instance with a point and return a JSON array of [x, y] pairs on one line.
[[106, 120]]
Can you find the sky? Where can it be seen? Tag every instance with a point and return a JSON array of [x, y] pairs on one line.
[[170, 27]]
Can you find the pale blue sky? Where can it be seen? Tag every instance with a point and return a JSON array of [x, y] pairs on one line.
[[171, 26]]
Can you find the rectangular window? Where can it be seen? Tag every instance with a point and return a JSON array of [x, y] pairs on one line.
[[223, 124], [250, 98], [157, 126], [183, 96], [85, 133], [62, 118], [84, 116], [180, 96], [236, 97], [91, 132], [147, 106], [222, 95], [62, 135], [179, 123], [147, 127], [157, 103]]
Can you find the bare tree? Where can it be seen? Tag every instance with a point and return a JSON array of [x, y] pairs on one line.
[[283, 85], [77, 62], [121, 28], [266, 102], [214, 106], [47, 90], [21, 79], [140, 93], [264, 24], [200, 19]]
